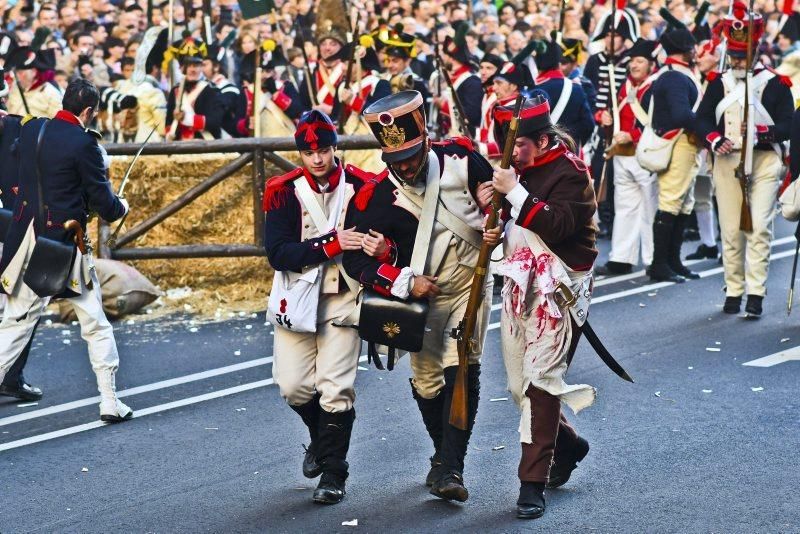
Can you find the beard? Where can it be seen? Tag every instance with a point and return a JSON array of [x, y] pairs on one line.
[[739, 74]]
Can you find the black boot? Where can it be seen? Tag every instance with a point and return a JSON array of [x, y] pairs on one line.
[[659, 270], [333, 442], [530, 504], [570, 450], [753, 307], [614, 268], [450, 484], [431, 410], [732, 305], [14, 384], [704, 252], [309, 413], [675, 243]]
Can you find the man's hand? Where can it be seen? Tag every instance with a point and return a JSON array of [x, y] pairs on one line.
[[492, 237], [424, 286], [504, 180], [374, 244], [350, 239], [725, 147], [606, 119], [325, 108], [345, 94], [484, 194], [623, 138], [177, 116]]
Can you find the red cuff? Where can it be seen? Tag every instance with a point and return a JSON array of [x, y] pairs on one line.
[[334, 248], [493, 150], [671, 134], [386, 257], [243, 127], [199, 122], [762, 128], [712, 139], [531, 214], [282, 100], [598, 116], [389, 273], [358, 104]]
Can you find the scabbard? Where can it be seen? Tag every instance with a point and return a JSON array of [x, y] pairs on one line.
[[601, 351]]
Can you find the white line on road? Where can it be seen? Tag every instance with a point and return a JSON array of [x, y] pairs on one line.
[[139, 413], [775, 359], [136, 390]]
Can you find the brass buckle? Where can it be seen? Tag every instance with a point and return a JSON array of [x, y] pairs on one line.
[[564, 297]]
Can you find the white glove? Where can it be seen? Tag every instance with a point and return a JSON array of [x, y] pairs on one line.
[[125, 205], [188, 117]]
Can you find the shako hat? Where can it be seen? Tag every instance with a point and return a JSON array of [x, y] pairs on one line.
[[534, 117], [735, 29], [571, 50], [398, 123], [315, 130]]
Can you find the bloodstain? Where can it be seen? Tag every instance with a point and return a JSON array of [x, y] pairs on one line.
[[283, 305], [544, 320], [542, 262]]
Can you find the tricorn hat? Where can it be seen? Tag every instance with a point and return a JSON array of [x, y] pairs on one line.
[[398, 123], [456, 47], [643, 48], [24, 57], [677, 39]]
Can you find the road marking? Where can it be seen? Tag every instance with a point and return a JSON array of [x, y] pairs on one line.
[[136, 390], [787, 355], [139, 413]]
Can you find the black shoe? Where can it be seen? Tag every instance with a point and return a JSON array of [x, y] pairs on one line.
[[530, 504], [311, 469], [662, 273], [614, 268], [732, 305], [753, 307], [436, 470], [686, 273], [704, 252], [562, 468], [330, 489], [450, 487], [23, 391], [674, 250]]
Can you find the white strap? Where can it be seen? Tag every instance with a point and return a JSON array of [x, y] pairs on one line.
[[443, 216], [422, 240], [563, 99], [326, 224], [632, 100]]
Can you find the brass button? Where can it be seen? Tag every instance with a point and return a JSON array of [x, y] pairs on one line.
[[24, 202], [49, 223], [307, 226]]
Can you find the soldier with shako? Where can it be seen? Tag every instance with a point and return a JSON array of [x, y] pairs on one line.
[[549, 245], [315, 361], [194, 107], [635, 188], [488, 67], [387, 210], [745, 255], [399, 49]]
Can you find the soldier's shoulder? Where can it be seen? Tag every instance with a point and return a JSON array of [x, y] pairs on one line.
[[781, 78], [93, 133], [454, 146], [284, 180], [278, 187]]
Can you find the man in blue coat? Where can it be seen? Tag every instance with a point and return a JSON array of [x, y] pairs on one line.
[[73, 182], [14, 384]]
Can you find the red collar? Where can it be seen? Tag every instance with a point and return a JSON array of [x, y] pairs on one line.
[[333, 178], [673, 61], [66, 116], [507, 100], [551, 155], [461, 70], [554, 74]]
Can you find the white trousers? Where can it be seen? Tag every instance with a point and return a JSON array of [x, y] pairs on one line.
[[23, 309], [745, 257], [635, 204]]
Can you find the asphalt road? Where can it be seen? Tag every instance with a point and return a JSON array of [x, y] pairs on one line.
[[700, 443]]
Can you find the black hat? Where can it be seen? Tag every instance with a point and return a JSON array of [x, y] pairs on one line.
[[215, 53], [548, 55], [398, 43], [271, 57], [571, 50], [187, 50], [315, 130], [627, 25], [515, 71], [701, 30], [7, 44], [398, 123], [156, 55], [456, 47], [677, 39], [643, 48], [24, 57], [493, 59], [534, 117]]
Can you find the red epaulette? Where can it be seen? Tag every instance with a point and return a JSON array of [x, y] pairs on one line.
[[785, 80], [371, 180], [461, 140], [577, 162], [711, 76], [275, 185], [361, 174]]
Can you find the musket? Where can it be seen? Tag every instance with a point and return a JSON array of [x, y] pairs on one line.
[[794, 270], [112, 240], [348, 77], [464, 333], [282, 46], [458, 113], [433, 112], [745, 168], [257, 96], [561, 16], [207, 21], [306, 68]]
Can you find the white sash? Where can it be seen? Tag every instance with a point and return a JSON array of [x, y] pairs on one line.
[[735, 94], [563, 99]]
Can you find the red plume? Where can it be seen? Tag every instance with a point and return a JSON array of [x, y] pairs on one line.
[[739, 10], [788, 7]]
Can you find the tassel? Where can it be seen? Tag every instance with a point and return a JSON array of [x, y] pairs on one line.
[[365, 195]]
